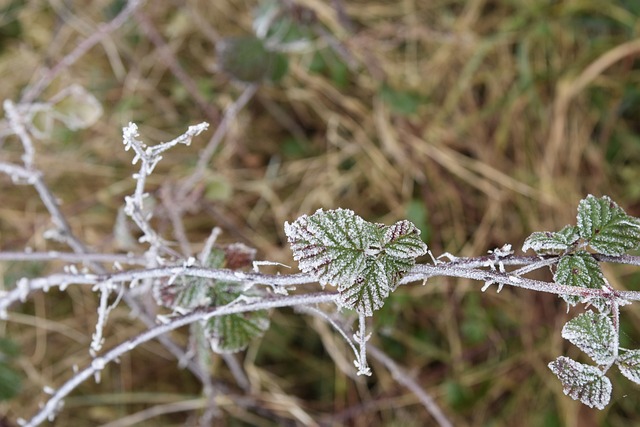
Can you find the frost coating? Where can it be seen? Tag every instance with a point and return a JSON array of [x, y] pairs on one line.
[[582, 382], [551, 242], [580, 269], [629, 364], [594, 334], [606, 226], [364, 260]]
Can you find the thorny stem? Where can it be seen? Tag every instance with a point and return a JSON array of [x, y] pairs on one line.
[[98, 364], [417, 273], [397, 372]]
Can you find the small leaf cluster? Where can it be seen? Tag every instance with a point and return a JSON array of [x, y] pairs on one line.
[[225, 334], [364, 260], [602, 228], [595, 334]]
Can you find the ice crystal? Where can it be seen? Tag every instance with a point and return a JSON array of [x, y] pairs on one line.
[[364, 260], [582, 382]]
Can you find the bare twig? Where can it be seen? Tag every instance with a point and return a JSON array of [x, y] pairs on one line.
[[102, 31]]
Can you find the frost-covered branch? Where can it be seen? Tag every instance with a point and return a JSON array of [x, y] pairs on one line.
[[418, 273], [55, 402]]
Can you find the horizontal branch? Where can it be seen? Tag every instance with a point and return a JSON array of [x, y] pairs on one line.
[[98, 364], [71, 257], [469, 268]]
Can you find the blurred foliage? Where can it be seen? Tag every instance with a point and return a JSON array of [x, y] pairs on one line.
[[439, 112], [10, 379]]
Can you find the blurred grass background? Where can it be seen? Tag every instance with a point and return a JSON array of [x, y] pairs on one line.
[[480, 121]]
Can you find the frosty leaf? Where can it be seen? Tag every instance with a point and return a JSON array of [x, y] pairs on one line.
[[188, 293], [224, 334], [368, 291], [579, 269], [333, 245], [629, 364], [551, 242], [606, 226], [193, 293], [364, 260], [234, 332], [594, 334], [582, 382], [402, 240]]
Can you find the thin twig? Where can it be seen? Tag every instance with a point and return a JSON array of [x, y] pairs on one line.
[[83, 47], [204, 158], [98, 364], [401, 376]]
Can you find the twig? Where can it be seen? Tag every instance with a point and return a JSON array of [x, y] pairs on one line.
[[71, 257], [36, 89], [55, 402], [223, 127], [399, 375], [171, 61]]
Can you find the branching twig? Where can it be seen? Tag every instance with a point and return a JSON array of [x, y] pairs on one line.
[[55, 403]]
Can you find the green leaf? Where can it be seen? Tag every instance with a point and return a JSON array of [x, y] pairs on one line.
[[552, 242], [606, 226], [399, 101], [10, 379], [582, 270], [364, 260], [582, 382], [629, 364], [10, 382], [247, 59], [234, 332], [594, 334], [192, 293]]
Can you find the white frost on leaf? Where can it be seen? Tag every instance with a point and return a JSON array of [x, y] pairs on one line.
[[629, 364], [551, 242], [580, 269], [364, 260], [582, 382], [606, 226], [594, 334]]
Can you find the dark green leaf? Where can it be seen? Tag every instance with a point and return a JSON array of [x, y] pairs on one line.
[[247, 59], [399, 101], [10, 382], [582, 270], [10, 379]]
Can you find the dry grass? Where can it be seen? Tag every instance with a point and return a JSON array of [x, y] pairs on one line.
[[522, 108]]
